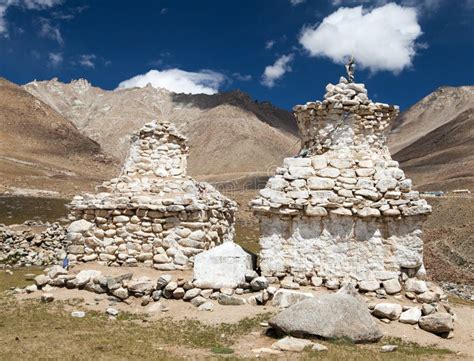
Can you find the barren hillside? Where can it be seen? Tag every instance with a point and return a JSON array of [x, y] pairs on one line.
[[231, 136], [41, 149], [434, 140]]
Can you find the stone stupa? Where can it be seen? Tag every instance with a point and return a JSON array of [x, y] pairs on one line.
[[153, 213], [342, 208]]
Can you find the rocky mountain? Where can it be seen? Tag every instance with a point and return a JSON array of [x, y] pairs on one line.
[[231, 137], [434, 140], [239, 141], [41, 149]]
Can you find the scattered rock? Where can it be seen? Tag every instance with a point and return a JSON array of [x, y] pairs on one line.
[[47, 297], [410, 316], [112, 311], [388, 348], [292, 344], [392, 286], [438, 323], [415, 285], [78, 314], [392, 311], [206, 306], [259, 283], [319, 348], [230, 300]]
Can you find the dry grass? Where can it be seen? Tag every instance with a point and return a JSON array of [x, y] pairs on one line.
[[33, 330]]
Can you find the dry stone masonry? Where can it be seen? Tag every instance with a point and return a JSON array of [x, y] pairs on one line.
[[342, 208], [153, 213]]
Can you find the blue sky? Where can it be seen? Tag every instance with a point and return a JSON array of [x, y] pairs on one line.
[[284, 51]]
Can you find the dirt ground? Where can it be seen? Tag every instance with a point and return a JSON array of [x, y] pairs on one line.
[[178, 311]]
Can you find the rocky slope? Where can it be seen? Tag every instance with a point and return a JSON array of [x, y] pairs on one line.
[[231, 136], [41, 149], [434, 140]]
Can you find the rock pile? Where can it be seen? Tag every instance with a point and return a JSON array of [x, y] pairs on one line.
[[343, 208], [21, 245], [124, 286], [153, 214]]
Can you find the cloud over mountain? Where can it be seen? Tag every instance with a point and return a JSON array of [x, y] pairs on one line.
[[178, 81], [383, 38]]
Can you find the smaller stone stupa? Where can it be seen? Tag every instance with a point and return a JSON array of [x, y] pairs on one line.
[[153, 213], [342, 208]]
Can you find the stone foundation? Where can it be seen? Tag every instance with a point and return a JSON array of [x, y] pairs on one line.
[[339, 246]]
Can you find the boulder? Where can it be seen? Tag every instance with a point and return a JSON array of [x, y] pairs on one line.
[[284, 298], [222, 266], [438, 323], [410, 316], [259, 283], [329, 316], [392, 311]]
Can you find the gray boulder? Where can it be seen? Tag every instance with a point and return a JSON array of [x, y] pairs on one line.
[[438, 323], [329, 316]]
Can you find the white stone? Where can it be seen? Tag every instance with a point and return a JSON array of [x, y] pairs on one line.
[[369, 285], [313, 211], [392, 286], [320, 183], [292, 344], [296, 162], [329, 172], [222, 266], [410, 316], [86, 276], [392, 311], [415, 285], [319, 162], [79, 226], [285, 298]]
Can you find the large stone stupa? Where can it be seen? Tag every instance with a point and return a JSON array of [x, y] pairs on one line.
[[153, 213], [342, 208]]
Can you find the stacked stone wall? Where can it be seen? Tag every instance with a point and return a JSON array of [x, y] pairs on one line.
[[166, 240]]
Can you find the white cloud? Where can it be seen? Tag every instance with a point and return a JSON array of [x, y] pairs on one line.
[[55, 59], [178, 81], [242, 77], [269, 44], [50, 31], [381, 39], [296, 2], [87, 60], [422, 6], [163, 11], [274, 72], [24, 4]]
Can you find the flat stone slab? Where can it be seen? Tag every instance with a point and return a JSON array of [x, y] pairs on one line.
[[221, 267]]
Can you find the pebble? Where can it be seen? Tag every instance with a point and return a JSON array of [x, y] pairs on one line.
[[112, 311], [388, 348], [78, 314]]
